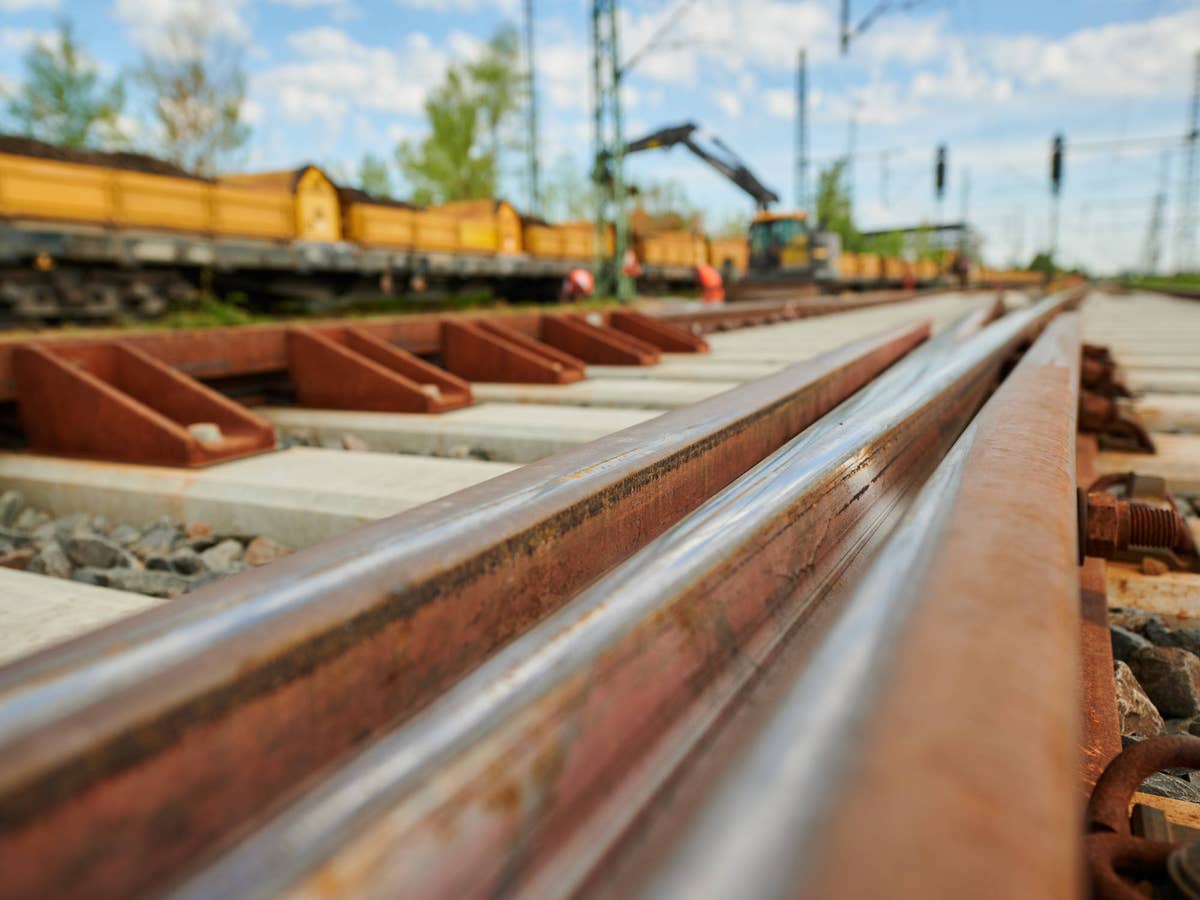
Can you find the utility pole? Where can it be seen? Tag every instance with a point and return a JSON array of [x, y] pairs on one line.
[[966, 200], [939, 182], [851, 139], [1056, 173], [1153, 251], [535, 200], [610, 152], [801, 134], [1185, 251]]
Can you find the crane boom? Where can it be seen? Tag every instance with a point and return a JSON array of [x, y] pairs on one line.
[[723, 159]]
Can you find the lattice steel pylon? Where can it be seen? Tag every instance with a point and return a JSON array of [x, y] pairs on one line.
[[1185, 248], [610, 152], [1153, 250]]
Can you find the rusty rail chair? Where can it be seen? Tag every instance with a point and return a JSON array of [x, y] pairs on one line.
[[126, 754], [527, 775]]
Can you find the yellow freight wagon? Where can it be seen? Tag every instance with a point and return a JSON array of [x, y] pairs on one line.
[[48, 189], [293, 203], [578, 240], [487, 226], [870, 266], [847, 266], [379, 224], [543, 240], [159, 201], [734, 250], [248, 212], [435, 230], [671, 248], [894, 269]]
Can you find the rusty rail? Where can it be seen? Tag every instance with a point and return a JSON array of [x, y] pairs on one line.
[[704, 318], [527, 774], [126, 753], [900, 740]]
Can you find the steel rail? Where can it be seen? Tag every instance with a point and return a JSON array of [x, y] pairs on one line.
[[129, 751], [929, 749], [522, 776], [744, 313]]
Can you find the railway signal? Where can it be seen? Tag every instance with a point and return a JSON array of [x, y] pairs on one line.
[[1056, 176], [939, 179]]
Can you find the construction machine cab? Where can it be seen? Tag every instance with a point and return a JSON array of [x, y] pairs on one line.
[[780, 241]]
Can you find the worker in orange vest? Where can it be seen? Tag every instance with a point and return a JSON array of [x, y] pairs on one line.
[[712, 288]]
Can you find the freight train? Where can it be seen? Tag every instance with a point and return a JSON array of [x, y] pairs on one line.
[[95, 236]]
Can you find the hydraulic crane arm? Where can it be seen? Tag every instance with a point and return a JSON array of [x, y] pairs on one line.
[[720, 158]]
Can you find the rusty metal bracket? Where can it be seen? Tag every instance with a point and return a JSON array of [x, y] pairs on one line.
[[663, 335], [111, 401], [1114, 854], [1112, 528], [596, 344], [346, 368], [1098, 372], [482, 350], [1159, 527], [1104, 417]]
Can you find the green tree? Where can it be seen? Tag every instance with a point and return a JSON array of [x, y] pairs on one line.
[[923, 244], [499, 82], [889, 243], [374, 177], [63, 99], [470, 115], [833, 206], [1043, 262], [448, 164], [198, 89]]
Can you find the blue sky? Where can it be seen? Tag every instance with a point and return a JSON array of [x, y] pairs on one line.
[[333, 79]]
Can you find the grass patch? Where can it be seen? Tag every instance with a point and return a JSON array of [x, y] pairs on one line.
[[211, 312], [1188, 281]]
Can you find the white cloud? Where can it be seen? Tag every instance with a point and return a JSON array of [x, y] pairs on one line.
[[252, 112], [19, 40], [331, 74], [761, 34], [508, 7], [151, 22], [730, 103], [911, 41], [27, 5], [780, 103], [340, 10], [564, 74], [1138, 59]]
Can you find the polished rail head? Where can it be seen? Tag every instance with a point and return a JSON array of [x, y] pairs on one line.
[[945, 803], [523, 775]]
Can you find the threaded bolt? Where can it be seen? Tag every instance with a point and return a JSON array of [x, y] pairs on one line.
[[1109, 526], [1150, 526]]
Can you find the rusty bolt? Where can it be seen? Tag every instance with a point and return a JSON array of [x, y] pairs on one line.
[[1096, 373], [1096, 412], [1102, 415], [1108, 526]]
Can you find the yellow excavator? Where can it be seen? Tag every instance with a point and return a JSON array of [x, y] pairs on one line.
[[786, 255]]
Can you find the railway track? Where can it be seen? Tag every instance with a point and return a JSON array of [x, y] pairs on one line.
[[727, 625]]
